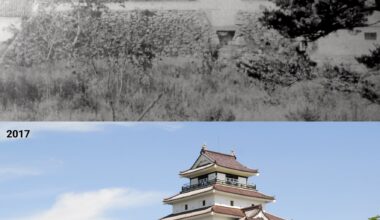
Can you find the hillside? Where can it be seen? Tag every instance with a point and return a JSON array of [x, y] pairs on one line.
[[155, 65]]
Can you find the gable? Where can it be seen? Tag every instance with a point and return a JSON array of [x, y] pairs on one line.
[[201, 161], [256, 214]]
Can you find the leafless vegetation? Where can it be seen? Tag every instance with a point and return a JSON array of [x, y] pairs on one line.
[[90, 64]]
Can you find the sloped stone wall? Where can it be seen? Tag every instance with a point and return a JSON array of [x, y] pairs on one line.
[[185, 32], [169, 34]]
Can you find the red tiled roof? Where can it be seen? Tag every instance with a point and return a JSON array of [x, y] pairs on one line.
[[207, 189], [243, 192], [226, 160], [227, 189], [224, 210], [186, 212], [228, 211], [272, 217], [215, 208]]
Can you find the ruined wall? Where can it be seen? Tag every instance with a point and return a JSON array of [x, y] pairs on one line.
[[183, 32], [165, 33]]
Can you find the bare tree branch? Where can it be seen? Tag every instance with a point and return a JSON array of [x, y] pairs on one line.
[[150, 107]]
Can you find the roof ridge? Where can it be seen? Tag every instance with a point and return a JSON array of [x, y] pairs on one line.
[[215, 152]]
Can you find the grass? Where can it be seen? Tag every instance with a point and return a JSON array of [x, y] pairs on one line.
[[55, 93]]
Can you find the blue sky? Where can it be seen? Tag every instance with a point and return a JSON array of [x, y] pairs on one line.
[[118, 171]]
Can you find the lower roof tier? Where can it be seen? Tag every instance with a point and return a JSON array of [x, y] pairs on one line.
[[249, 213], [219, 188]]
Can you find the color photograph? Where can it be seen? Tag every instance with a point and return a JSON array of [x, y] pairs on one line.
[[203, 171]]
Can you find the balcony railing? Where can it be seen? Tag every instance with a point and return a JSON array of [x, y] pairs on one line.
[[204, 184]]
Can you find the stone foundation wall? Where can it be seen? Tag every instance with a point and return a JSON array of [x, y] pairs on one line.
[[167, 33], [180, 33]]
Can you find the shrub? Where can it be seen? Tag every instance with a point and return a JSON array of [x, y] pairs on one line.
[[271, 58], [372, 60], [304, 114], [218, 113]]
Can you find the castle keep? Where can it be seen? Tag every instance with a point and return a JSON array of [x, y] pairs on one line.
[[219, 189]]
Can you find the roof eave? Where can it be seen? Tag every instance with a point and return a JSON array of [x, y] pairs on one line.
[[266, 200], [172, 200], [217, 168], [189, 173], [195, 216]]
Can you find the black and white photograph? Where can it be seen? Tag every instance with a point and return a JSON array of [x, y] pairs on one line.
[[190, 60]]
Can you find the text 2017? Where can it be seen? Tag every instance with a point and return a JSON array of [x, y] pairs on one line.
[[18, 133]]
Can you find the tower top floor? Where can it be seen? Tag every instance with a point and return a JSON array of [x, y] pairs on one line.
[[211, 161]]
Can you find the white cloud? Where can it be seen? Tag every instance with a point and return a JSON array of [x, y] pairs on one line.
[[167, 126], [15, 172], [170, 126], [95, 205]]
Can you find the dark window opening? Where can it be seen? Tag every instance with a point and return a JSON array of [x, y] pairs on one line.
[[370, 36], [232, 203], [231, 176], [232, 179], [203, 179], [186, 207], [225, 37], [204, 202]]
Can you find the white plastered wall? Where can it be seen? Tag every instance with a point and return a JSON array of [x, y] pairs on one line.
[[194, 181], [194, 203], [217, 198], [221, 176], [218, 217], [239, 201], [242, 180], [212, 176]]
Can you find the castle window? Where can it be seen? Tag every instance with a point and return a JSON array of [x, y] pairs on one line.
[[203, 180], [370, 36], [232, 203], [186, 207], [232, 179], [204, 202]]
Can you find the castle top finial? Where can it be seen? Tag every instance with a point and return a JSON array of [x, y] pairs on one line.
[[204, 147]]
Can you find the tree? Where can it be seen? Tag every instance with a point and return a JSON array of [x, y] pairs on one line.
[[313, 19], [372, 60], [377, 217]]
